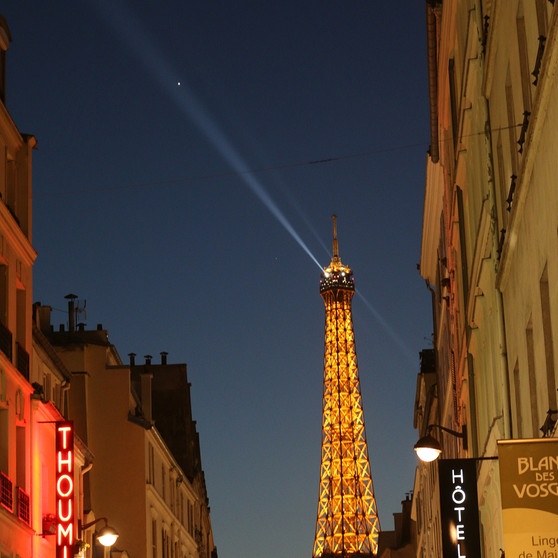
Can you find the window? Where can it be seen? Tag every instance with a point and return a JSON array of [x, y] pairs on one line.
[[190, 518], [517, 400], [523, 59], [4, 440], [19, 405], [165, 543], [47, 389], [454, 103], [21, 457], [532, 379], [542, 16], [3, 293], [11, 180], [21, 314], [3, 75], [150, 464], [172, 495], [548, 344], [505, 197], [154, 533], [512, 124]]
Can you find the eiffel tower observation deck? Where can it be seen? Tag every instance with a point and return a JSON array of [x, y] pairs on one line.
[[347, 525]]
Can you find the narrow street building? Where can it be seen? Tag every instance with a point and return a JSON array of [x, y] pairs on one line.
[[17, 255], [34, 383], [84, 438], [489, 247], [147, 478]]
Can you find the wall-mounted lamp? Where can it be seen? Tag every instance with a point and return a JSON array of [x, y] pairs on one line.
[[429, 449], [106, 536]]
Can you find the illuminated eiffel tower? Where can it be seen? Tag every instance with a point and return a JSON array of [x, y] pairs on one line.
[[347, 524]]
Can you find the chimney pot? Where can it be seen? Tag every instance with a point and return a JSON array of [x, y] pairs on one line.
[[71, 311], [132, 359], [164, 357], [148, 359], [99, 327]]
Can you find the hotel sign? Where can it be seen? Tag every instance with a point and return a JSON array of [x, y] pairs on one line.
[[529, 487], [65, 489], [459, 510]]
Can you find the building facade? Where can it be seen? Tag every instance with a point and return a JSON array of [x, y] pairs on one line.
[[147, 479], [33, 381], [16, 260], [489, 252], [78, 440]]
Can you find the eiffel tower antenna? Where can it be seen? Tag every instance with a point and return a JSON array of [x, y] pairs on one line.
[[335, 243], [347, 525]]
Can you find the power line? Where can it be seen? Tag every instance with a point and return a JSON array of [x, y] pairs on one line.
[[259, 170]]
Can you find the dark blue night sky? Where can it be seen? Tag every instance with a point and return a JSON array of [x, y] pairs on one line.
[[190, 157]]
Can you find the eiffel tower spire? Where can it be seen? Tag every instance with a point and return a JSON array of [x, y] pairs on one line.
[[347, 525]]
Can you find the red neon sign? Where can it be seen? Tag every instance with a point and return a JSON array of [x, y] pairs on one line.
[[65, 489]]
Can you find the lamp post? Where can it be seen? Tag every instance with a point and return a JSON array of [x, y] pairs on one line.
[[429, 449], [106, 536], [459, 506]]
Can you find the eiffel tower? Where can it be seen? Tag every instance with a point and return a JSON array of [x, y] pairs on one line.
[[347, 524]]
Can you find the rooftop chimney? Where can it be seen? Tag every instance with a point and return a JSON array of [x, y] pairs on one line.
[[42, 316], [164, 357], [146, 377], [71, 312]]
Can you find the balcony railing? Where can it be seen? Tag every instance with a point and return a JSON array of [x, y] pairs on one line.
[[23, 506], [6, 492]]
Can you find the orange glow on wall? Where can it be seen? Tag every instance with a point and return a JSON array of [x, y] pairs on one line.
[[65, 489]]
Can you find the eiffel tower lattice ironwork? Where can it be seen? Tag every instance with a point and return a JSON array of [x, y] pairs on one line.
[[347, 525]]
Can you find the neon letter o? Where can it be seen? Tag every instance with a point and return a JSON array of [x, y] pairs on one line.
[[70, 489]]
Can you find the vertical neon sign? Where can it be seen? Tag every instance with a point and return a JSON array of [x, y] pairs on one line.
[[459, 508], [65, 489]]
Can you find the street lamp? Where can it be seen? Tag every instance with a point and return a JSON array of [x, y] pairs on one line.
[[429, 449], [106, 536]]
